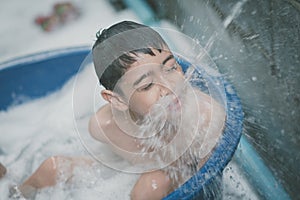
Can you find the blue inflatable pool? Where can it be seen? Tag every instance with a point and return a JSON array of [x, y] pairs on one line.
[[37, 75]]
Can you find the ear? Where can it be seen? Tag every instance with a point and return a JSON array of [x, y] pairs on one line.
[[114, 99]]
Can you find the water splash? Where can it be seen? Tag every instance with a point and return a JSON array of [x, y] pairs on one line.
[[234, 13], [188, 162]]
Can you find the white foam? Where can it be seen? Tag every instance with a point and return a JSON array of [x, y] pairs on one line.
[[40, 128]]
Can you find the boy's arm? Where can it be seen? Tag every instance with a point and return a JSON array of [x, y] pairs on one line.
[[47, 173], [2, 170]]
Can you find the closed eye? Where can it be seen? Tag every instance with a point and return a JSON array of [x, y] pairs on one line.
[[146, 87], [170, 68]]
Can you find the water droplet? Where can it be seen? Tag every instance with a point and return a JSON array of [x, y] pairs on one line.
[[251, 119], [191, 18], [154, 185], [293, 112]]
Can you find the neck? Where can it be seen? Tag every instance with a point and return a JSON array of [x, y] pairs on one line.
[[125, 121]]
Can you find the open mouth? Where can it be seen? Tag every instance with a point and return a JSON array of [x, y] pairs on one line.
[[175, 104]]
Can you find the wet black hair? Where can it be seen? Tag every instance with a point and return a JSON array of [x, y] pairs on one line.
[[116, 48]]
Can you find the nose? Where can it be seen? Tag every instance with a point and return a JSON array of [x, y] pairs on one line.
[[164, 85], [164, 90]]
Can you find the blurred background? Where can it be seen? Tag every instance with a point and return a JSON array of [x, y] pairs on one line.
[[255, 44]]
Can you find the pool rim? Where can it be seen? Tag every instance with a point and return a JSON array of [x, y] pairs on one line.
[[216, 162]]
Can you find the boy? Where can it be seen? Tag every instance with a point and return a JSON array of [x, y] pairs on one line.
[[152, 118]]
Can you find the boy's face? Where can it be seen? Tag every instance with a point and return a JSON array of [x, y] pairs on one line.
[[149, 79]]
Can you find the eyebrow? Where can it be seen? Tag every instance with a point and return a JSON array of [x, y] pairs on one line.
[[142, 77], [151, 72], [167, 59]]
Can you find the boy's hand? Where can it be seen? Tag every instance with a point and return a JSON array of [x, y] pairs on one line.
[[2, 170]]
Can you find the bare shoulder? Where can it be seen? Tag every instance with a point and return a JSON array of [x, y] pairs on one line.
[[98, 122], [214, 111], [214, 122]]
